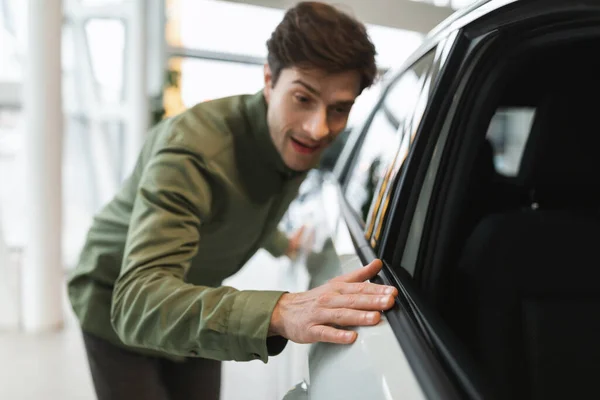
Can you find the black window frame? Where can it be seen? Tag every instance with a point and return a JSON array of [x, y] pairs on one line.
[[430, 347], [444, 346]]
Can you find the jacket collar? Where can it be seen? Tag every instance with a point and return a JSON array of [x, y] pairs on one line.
[[256, 114]]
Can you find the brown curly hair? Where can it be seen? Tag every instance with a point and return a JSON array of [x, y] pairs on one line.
[[317, 35]]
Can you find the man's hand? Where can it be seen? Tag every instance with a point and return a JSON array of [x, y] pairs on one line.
[[295, 243], [347, 300]]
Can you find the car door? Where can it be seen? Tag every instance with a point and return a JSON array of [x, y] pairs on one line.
[[344, 212], [442, 195], [412, 353]]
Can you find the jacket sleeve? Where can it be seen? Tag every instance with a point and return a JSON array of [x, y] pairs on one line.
[[152, 306], [277, 243]]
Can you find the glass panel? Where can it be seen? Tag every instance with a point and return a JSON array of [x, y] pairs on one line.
[[393, 45], [12, 213], [248, 27], [244, 30], [90, 177], [106, 40], [377, 149], [72, 88], [381, 144], [13, 39], [92, 163], [99, 2], [380, 210], [420, 99], [455, 4], [203, 80], [364, 105], [508, 133], [79, 189], [12, 208]]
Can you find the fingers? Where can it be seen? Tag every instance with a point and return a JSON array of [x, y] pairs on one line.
[[362, 274], [347, 300], [341, 317], [299, 233], [322, 333], [364, 288], [357, 301], [347, 317]]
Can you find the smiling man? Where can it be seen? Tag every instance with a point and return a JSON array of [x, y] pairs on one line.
[[208, 191]]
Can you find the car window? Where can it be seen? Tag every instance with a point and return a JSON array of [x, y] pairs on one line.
[[382, 138], [508, 133]]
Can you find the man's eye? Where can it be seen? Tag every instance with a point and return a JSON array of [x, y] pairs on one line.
[[302, 99], [341, 110]]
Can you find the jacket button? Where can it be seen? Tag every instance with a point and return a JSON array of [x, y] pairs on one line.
[[193, 353]]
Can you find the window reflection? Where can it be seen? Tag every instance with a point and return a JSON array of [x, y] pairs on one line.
[[381, 147], [377, 216], [227, 27], [376, 150], [11, 170], [13, 15], [203, 80], [106, 40], [508, 133]]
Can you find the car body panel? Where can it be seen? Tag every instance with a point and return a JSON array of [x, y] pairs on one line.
[[375, 366]]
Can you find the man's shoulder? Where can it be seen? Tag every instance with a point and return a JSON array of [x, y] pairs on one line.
[[207, 128]]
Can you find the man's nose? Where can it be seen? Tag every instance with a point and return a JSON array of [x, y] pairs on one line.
[[317, 126]]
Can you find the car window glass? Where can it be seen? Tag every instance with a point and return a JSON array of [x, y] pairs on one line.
[[508, 133], [382, 138], [385, 189], [379, 213]]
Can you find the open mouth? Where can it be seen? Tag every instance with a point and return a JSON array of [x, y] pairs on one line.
[[304, 148]]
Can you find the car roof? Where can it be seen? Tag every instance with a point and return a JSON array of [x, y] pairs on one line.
[[454, 22], [458, 16]]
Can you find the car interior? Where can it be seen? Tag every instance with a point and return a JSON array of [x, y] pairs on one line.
[[521, 278]]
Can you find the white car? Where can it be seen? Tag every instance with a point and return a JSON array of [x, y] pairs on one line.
[[476, 179]]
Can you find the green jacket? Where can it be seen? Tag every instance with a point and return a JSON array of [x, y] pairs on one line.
[[208, 191]]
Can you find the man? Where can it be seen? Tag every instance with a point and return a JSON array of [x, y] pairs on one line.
[[208, 191]]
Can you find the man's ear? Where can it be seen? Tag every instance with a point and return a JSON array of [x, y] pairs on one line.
[[268, 82]]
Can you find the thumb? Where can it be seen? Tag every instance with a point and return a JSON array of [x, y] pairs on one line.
[[299, 232], [362, 274]]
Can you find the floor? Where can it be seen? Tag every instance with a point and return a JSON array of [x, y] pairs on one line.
[[53, 365]]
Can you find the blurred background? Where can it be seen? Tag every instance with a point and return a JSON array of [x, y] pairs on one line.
[[81, 81]]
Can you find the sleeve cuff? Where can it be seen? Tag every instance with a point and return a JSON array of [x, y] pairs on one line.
[[275, 345], [249, 326], [277, 244]]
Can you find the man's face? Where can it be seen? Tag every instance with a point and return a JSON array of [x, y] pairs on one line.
[[307, 110]]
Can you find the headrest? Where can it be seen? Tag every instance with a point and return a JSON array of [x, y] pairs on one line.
[[561, 163], [484, 162]]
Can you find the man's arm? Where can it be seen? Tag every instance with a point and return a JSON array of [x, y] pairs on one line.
[[277, 243], [152, 306]]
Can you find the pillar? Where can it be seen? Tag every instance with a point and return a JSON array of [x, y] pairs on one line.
[[138, 112], [42, 274]]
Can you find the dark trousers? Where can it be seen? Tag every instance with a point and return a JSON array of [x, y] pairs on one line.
[[122, 375]]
